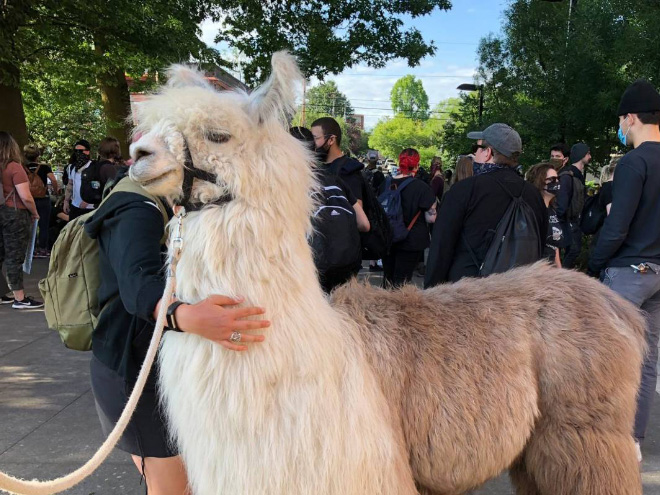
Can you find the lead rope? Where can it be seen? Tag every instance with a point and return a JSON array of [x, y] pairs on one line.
[[18, 486]]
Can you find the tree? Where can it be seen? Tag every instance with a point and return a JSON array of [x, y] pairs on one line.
[[393, 135], [409, 98], [326, 99], [554, 84], [327, 36]]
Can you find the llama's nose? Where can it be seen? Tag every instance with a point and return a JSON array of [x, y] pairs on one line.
[[142, 153]]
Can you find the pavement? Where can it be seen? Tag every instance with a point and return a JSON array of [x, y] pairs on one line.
[[48, 423]]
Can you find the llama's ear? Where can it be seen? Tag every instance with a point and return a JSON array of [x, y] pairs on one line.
[[182, 76], [276, 98]]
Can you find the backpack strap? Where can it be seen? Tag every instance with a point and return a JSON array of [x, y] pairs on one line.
[[414, 220], [404, 184]]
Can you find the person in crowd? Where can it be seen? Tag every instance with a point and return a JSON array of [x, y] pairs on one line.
[[330, 279], [80, 161], [544, 177], [627, 254], [44, 204], [373, 175], [570, 201], [606, 180], [16, 216], [464, 168], [327, 140], [418, 205], [110, 160], [448, 179], [473, 207], [559, 154], [437, 182], [129, 231]]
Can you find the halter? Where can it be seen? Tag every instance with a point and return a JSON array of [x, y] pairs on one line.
[[190, 173]]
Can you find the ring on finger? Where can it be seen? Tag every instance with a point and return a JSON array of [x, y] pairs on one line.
[[235, 337]]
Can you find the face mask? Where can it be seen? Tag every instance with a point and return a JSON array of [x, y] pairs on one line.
[[322, 152], [623, 137], [79, 159], [553, 188]]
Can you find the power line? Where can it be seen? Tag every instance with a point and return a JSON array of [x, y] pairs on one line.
[[402, 75]]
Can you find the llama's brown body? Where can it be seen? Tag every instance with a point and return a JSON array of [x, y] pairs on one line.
[[535, 371]]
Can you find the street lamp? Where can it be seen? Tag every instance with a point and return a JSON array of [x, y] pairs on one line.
[[474, 87]]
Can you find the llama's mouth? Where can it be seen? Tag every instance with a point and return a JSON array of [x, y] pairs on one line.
[[157, 179]]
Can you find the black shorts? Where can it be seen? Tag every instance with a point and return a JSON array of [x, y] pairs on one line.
[[146, 434]]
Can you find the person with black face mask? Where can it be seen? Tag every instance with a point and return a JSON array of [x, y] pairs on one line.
[[544, 177], [80, 161]]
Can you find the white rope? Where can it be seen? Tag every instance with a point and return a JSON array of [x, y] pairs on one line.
[[18, 486]]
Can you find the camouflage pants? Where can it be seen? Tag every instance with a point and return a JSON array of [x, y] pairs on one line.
[[14, 237]]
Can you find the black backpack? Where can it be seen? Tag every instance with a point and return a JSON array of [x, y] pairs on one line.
[[91, 188], [390, 200], [593, 216], [517, 239], [377, 242], [336, 239], [577, 198]]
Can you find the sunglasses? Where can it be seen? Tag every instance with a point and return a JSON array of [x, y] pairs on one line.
[[477, 147], [552, 180]]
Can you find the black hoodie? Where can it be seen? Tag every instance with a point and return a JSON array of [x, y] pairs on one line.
[[129, 228], [349, 170]]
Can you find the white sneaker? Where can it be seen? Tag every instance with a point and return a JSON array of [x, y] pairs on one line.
[[638, 449]]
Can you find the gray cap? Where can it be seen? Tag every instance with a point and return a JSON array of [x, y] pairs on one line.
[[501, 137]]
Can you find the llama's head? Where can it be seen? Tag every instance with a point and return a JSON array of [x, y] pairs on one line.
[[242, 139]]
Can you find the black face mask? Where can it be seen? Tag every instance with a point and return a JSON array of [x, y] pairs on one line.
[[553, 188], [322, 152], [79, 159]]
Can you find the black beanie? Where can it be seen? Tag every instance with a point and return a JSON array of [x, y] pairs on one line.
[[578, 152], [640, 97], [83, 142]]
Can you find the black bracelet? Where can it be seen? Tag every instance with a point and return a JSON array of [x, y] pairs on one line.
[[171, 319]]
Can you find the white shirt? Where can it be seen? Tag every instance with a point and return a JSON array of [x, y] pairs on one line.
[[76, 180]]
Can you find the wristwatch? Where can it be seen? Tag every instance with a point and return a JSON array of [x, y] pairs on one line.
[[171, 319]]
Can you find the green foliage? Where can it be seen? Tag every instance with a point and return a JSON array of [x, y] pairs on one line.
[[393, 135], [555, 85], [327, 36], [409, 98]]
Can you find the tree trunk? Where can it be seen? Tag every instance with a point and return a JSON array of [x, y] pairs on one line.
[[12, 116], [116, 99], [117, 106]]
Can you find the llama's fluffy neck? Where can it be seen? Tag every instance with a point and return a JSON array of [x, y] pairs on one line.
[[262, 257]]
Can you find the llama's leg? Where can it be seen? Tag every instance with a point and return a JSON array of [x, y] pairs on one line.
[[521, 479], [564, 460]]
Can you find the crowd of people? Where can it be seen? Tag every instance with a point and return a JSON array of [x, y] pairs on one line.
[[483, 217], [31, 193]]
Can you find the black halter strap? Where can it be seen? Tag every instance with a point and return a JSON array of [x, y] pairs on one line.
[[190, 173]]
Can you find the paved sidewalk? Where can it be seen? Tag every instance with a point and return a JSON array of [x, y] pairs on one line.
[[49, 425]]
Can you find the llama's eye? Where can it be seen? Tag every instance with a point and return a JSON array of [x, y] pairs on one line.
[[217, 137]]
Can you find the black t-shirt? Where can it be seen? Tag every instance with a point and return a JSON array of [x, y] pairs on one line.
[[43, 171], [415, 197], [630, 234], [605, 195], [555, 238]]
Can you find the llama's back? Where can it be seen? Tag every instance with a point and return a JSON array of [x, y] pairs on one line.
[[472, 366]]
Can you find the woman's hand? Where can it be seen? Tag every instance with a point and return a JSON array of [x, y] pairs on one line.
[[214, 319]]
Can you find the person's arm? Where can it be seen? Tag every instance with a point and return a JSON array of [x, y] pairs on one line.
[[53, 182], [447, 233], [626, 194], [361, 217], [68, 192], [564, 196], [557, 258], [23, 190], [431, 214]]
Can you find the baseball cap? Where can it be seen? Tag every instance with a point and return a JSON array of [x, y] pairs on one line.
[[500, 136]]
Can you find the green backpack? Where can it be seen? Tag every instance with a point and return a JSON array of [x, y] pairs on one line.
[[70, 288]]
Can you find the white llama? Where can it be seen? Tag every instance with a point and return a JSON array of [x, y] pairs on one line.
[[302, 414], [448, 386]]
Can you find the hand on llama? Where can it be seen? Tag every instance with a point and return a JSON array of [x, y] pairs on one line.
[[213, 319]]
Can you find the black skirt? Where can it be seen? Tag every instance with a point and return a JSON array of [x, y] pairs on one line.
[[146, 434]]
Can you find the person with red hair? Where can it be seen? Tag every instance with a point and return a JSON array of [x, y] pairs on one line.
[[417, 197]]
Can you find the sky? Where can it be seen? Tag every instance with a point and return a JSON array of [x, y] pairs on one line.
[[456, 34]]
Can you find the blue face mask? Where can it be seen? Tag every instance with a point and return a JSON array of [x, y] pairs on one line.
[[623, 137]]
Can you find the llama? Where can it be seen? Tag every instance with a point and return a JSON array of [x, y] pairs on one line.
[[370, 391]]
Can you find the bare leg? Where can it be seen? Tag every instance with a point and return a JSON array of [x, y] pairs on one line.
[[19, 295], [164, 475]]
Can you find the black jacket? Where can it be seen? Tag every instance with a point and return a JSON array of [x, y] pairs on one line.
[[470, 211], [349, 170], [630, 234], [129, 229], [565, 196]]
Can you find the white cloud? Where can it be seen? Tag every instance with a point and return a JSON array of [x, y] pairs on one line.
[[210, 30]]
